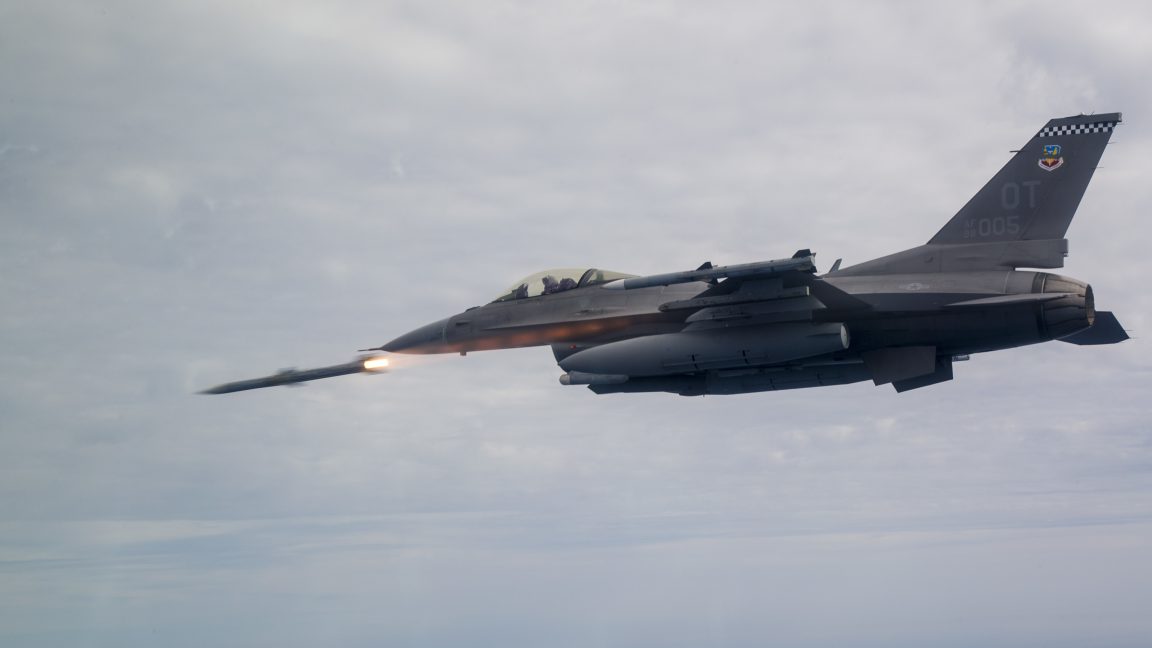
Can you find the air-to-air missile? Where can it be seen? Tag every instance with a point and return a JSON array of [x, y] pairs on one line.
[[364, 364]]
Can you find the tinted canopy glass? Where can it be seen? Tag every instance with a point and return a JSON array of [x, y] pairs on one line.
[[547, 282]]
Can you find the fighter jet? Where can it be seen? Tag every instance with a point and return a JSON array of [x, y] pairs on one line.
[[902, 319]]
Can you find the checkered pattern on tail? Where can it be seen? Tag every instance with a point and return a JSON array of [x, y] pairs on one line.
[[1077, 129]]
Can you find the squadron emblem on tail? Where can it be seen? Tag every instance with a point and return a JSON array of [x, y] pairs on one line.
[[1051, 160]]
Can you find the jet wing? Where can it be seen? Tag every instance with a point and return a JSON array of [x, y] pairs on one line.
[[832, 297]]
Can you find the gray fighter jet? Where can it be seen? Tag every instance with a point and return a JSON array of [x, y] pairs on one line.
[[902, 319]]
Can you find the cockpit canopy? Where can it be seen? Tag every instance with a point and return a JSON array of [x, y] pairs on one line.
[[547, 282]]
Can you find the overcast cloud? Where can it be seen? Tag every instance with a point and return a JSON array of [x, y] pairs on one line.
[[197, 192]]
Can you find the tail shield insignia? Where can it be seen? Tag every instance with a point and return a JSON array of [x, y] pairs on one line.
[[1051, 160]]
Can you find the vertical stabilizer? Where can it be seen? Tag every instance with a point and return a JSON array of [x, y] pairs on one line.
[[1037, 192]]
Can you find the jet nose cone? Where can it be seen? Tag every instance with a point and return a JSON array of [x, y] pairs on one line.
[[426, 339]]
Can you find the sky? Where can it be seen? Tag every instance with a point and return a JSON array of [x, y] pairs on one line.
[[199, 192]]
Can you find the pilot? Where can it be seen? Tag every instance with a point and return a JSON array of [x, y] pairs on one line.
[[550, 285], [521, 292], [567, 283]]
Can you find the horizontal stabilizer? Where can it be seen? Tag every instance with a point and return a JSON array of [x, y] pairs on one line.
[[1106, 329]]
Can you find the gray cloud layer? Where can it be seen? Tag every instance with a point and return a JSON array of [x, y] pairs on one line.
[[197, 192]]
